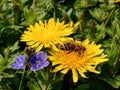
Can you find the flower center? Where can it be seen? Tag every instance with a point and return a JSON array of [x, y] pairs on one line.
[[73, 47], [37, 62]]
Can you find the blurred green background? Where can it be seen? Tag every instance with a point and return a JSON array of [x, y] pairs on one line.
[[99, 21]]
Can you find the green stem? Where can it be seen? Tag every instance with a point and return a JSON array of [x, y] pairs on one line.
[[54, 7], [109, 17], [67, 81], [21, 80], [48, 77], [35, 78], [54, 14]]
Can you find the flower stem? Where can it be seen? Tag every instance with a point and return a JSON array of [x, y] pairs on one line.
[[67, 81], [35, 78], [21, 80], [54, 7], [109, 17], [48, 77]]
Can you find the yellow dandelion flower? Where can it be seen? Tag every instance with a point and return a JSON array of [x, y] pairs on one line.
[[78, 60], [117, 0], [48, 34]]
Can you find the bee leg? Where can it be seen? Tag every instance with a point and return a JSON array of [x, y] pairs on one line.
[[79, 54], [69, 52]]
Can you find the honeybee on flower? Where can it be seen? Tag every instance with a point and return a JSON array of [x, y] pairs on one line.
[[72, 46], [79, 57]]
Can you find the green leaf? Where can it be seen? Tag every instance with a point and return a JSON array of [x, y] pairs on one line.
[[15, 46], [81, 4], [115, 81], [96, 84], [56, 86], [69, 11], [1, 62], [113, 54], [1, 57], [83, 87], [98, 14]]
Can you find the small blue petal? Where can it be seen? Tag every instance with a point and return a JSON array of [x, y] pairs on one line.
[[41, 56], [46, 64], [20, 62], [16, 66], [33, 59], [20, 59]]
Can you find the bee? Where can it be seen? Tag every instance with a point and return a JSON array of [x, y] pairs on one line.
[[73, 47]]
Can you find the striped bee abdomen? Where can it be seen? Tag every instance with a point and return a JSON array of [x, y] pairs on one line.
[[67, 46]]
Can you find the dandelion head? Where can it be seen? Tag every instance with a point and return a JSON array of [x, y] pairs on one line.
[[78, 60], [48, 34]]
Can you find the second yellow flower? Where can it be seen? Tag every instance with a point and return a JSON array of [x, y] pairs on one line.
[[48, 34]]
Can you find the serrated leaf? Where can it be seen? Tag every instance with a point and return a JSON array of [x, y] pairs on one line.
[[98, 14], [100, 32], [113, 54], [115, 81], [83, 4], [69, 11], [14, 47]]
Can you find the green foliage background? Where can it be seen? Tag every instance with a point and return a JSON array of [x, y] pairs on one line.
[[99, 21]]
